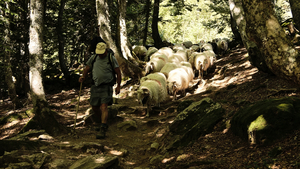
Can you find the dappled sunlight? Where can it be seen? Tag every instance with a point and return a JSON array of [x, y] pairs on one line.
[[100, 160], [166, 160]]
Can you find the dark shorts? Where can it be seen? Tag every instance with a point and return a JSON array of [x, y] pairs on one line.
[[101, 94]]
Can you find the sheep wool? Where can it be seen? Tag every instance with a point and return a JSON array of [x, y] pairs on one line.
[[202, 63], [168, 67], [178, 80], [155, 64], [157, 76], [166, 51], [150, 92], [150, 51], [140, 51]]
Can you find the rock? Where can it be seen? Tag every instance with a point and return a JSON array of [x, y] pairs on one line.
[[45, 137], [156, 159], [87, 146], [98, 161], [268, 120], [155, 146], [182, 157], [127, 125], [196, 120], [183, 105]]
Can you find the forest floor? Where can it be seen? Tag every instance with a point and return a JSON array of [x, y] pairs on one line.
[[233, 81]]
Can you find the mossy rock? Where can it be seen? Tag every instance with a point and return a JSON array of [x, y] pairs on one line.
[[268, 120], [196, 120], [183, 105]]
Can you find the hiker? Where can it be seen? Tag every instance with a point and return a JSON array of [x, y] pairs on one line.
[[104, 66]]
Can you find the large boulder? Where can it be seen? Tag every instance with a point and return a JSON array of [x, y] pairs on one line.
[[267, 120], [196, 120]]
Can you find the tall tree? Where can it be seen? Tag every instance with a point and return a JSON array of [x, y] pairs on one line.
[[266, 32], [43, 118], [127, 67], [295, 7], [155, 33], [61, 43], [256, 58], [147, 11], [7, 56]]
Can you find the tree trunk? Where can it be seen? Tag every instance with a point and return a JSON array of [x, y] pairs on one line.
[[44, 118], [155, 33], [61, 43], [265, 31], [234, 29], [128, 68], [256, 58], [147, 11], [295, 7], [7, 55]]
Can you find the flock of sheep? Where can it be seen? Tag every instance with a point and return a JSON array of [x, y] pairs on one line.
[[169, 70]]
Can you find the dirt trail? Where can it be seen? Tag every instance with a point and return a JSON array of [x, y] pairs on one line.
[[233, 81]]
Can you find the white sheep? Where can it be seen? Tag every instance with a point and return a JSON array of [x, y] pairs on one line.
[[157, 76], [178, 80], [201, 63], [166, 51], [212, 56], [168, 67], [155, 64], [178, 57], [206, 46], [151, 92], [177, 47]]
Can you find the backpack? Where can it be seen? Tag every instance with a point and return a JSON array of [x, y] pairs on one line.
[[110, 53]]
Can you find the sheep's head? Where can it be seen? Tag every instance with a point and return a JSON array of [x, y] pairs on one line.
[[149, 68], [171, 87], [143, 96]]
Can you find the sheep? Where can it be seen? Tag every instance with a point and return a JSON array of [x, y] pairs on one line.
[[178, 57], [222, 47], [168, 67], [140, 51], [206, 46], [150, 51], [211, 55], [155, 64], [195, 48], [201, 63], [157, 76], [166, 51], [178, 80], [151, 92], [177, 47], [187, 44]]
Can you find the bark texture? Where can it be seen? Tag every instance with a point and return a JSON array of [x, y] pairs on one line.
[[256, 58], [61, 42], [155, 33], [128, 68], [7, 55], [265, 31], [295, 7], [43, 118]]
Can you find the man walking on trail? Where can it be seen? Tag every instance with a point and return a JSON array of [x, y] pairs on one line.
[[104, 66]]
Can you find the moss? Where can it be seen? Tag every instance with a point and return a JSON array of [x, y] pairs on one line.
[[270, 119], [259, 124]]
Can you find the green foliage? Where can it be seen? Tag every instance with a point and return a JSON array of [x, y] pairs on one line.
[[191, 23]]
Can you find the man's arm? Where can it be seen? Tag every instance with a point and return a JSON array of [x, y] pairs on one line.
[[84, 75]]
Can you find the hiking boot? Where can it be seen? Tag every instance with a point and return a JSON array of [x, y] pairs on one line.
[[102, 132]]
